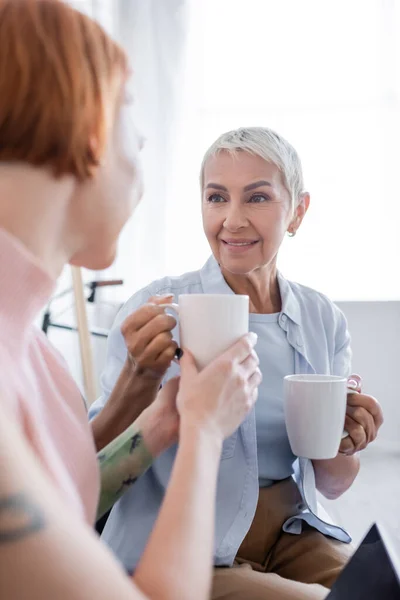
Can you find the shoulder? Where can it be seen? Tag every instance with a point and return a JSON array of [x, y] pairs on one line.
[[323, 324], [175, 285], [41, 345], [183, 284], [314, 303], [312, 296]]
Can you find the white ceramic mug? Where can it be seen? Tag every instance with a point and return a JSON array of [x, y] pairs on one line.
[[210, 323], [315, 411]]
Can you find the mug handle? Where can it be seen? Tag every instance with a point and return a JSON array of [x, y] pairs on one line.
[[175, 307], [171, 306], [350, 390]]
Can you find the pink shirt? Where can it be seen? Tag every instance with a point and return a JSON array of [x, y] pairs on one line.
[[36, 386]]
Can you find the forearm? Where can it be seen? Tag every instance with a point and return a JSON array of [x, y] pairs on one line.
[[121, 463], [128, 456], [131, 395], [334, 477], [184, 531]]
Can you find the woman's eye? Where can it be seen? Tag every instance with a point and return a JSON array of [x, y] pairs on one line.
[[258, 198], [215, 199]]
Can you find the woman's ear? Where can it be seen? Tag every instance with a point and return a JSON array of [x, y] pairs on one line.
[[299, 213]]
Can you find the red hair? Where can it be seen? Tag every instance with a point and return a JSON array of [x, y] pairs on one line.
[[57, 72]]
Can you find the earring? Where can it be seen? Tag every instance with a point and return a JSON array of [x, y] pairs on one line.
[[291, 233]]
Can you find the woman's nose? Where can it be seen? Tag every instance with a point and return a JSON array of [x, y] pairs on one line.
[[235, 218]]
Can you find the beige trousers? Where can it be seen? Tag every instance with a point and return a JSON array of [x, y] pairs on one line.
[[271, 564]]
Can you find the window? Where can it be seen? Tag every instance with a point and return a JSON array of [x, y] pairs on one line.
[[326, 76]]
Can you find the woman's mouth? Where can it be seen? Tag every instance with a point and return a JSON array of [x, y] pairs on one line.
[[239, 245]]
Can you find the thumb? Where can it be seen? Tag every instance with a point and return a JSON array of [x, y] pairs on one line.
[[166, 299], [188, 364], [170, 389]]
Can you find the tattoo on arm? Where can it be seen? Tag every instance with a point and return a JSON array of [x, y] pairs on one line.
[[121, 463], [136, 440], [20, 517]]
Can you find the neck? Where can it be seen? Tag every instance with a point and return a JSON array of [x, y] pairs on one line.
[[34, 208], [261, 285]]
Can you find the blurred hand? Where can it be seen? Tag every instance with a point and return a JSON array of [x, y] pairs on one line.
[[220, 396], [148, 338], [364, 417], [160, 421]]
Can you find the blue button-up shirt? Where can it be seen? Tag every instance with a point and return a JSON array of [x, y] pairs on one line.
[[317, 331]]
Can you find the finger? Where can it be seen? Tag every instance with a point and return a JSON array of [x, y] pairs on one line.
[[255, 380], [140, 317], [169, 391], [166, 357], [365, 419], [253, 397], [240, 350], [250, 364], [188, 365], [357, 433], [161, 323], [165, 299], [347, 446], [369, 403], [156, 347]]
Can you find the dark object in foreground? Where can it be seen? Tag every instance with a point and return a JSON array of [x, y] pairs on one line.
[[373, 572]]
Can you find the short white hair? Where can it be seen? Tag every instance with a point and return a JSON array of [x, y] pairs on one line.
[[267, 144]]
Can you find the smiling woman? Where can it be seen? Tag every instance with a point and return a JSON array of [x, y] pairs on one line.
[[252, 195]]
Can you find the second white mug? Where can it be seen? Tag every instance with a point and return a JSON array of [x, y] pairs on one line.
[[315, 411]]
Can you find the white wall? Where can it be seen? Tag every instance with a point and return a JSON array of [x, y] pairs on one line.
[[375, 330]]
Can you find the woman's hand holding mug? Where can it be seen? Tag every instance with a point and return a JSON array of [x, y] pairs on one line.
[[364, 417], [219, 397]]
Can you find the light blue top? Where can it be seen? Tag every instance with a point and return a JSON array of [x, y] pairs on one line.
[[316, 331], [277, 360]]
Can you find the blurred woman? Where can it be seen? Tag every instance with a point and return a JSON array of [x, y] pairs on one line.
[[69, 180]]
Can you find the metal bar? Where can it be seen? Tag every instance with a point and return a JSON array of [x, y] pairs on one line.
[[103, 333], [84, 336]]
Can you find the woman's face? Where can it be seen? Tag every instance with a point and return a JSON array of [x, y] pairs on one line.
[[104, 204], [246, 211]]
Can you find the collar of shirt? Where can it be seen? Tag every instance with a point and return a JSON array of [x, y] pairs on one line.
[[213, 282]]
